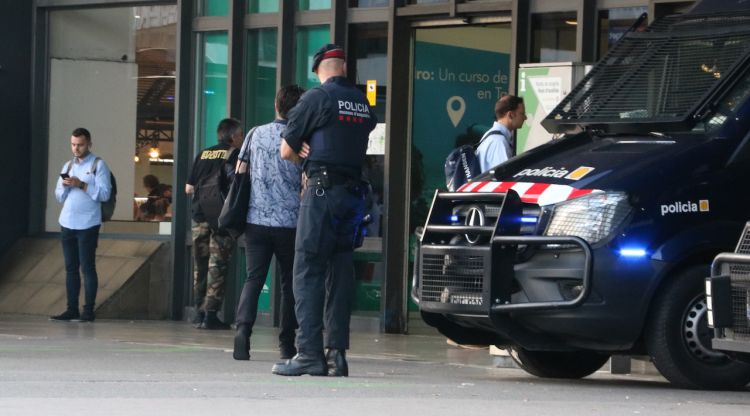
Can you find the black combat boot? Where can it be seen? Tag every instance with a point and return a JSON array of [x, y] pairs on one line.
[[242, 343], [287, 351], [211, 321], [337, 366], [200, 315], [314, 365]]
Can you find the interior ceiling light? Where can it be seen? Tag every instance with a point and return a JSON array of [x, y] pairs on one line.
[[154, 153], [571, 22], [136, 159]]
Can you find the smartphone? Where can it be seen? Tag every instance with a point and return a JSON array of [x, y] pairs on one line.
[[64, 175]]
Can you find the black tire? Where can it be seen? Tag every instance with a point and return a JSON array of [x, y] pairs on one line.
[[558, 364], [679, 341]]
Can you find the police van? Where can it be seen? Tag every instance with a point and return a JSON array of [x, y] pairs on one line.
[[599, 243]]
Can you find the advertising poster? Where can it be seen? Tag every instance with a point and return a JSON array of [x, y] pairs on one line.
[[455, 89]]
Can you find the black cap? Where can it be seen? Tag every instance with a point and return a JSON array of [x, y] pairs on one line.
[[328, 51]]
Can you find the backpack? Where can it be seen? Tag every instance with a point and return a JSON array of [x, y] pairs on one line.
[[462, 164], [108, 206], [210, 192]]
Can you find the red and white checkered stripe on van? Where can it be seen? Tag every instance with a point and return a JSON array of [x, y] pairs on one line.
[[534, 193]]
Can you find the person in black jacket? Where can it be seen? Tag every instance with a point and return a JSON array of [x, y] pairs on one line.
[[329, 127], [213, 168]]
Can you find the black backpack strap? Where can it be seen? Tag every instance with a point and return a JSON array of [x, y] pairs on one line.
[[96, 159], [508, 149], [70, 166], [486, 135], [246, 155]]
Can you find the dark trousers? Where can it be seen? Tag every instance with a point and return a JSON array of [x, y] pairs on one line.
[[323, 267], [261, 243], [79, 251]]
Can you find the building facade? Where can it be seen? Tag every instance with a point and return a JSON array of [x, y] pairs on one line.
[[151, 79]]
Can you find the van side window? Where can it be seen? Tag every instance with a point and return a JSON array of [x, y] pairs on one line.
[[728, 105]]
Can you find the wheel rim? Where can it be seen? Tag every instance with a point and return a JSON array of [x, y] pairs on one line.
[[697, 335]]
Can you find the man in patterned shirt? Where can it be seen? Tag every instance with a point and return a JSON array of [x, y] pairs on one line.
[[271, 225]]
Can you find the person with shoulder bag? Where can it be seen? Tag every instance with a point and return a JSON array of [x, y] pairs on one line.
[[272, 209]]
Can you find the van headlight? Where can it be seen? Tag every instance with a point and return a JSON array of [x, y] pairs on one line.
[[592, 217]]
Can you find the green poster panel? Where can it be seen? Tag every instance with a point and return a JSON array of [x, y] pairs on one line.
[[263, 6], [455, 89], [261, 77], [313, 4], [531, 102], [213, 92], [214, 8], [309, 40]]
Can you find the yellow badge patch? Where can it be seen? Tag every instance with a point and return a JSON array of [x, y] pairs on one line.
[[579, 173], [703, 205]]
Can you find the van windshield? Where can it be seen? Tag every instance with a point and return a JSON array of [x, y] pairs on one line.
[[658, 79], [728, 107]]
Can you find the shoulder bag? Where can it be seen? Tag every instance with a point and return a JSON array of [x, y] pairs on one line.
[[233, 216]]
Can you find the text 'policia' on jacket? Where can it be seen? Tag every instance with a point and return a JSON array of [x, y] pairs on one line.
[[332, 144], [598, 243]]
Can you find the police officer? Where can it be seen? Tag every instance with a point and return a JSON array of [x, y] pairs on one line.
[[213, 168], [329, 127]]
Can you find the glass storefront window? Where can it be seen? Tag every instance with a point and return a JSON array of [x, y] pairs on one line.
[[553, 37], [213, 7], [459, 73], [313, 4], [368, 62], [613, 23], [426, 1], [212, 86], [263, 6], [368, 3], [309, 40], [130, 54], [261, 76]]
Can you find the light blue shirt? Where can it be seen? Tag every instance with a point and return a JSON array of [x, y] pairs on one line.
[[495, 149], [276, 183], [82, 209]]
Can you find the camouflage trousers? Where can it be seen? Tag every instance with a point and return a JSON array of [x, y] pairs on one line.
[[212, 252]]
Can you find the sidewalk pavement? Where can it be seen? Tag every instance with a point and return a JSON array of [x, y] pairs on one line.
[[168, 368]]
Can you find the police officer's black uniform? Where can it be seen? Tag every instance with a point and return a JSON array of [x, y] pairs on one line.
[[335, 119]]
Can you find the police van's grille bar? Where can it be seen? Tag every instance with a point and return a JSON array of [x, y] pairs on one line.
[[743, 246], [460, 274], [656, 77], [741, 307]]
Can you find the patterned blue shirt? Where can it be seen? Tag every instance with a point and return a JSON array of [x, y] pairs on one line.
[[276, 183]]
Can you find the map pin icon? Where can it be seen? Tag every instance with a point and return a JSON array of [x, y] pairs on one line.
[[456, 114]]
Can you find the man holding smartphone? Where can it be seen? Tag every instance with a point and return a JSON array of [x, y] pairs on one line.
[[83, 185]]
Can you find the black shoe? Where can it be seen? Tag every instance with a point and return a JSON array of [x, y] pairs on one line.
[[211, 321], [242, 343], [336, 360], [287, 351], [302, 364], [68, 315], [200, 315], [87, 316]]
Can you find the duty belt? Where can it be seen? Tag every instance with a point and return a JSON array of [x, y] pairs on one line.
[[323, 179]]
